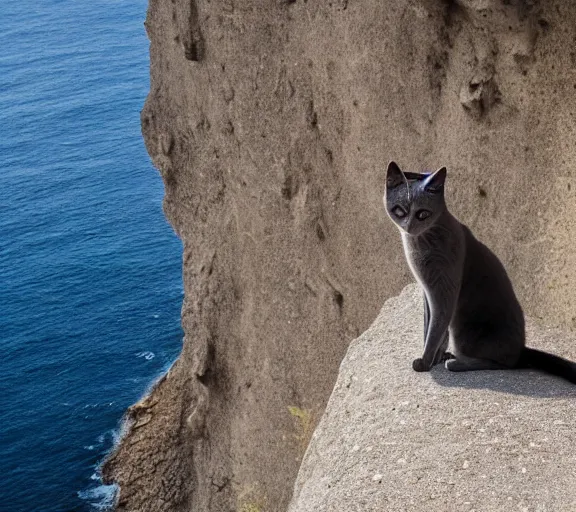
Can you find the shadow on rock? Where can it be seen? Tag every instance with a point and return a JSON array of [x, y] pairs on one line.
[[517, 382]]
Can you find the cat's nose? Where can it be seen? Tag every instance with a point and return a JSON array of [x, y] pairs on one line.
[[410, 225]]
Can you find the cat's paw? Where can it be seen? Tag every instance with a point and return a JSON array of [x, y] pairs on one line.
[[418, 365], [452, 364], [442, 357]]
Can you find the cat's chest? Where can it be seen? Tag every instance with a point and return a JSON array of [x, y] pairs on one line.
[[424, 258]]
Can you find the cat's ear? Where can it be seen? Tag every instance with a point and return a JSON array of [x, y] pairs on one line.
[[394, 176], [435, 182]]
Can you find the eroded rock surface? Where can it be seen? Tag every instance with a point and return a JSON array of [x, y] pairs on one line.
[[271, 123], [393, 439]]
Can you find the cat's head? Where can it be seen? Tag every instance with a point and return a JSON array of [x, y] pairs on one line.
[[414, 201]]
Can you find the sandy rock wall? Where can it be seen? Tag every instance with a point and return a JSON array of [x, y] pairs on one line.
[[271, 123]]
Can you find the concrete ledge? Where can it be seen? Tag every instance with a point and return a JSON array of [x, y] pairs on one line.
[[395, 440]]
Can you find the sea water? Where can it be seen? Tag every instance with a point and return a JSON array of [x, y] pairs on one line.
[[90, 279]]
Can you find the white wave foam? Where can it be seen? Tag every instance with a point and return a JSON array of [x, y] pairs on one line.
[[101, 498], [146, 355]]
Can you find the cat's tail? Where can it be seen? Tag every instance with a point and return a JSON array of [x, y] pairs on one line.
[[549, 363]]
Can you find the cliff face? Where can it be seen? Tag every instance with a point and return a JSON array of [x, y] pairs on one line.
[[271, 123]]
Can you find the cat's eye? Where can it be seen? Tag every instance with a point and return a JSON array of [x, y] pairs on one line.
[[399, 211], [422, 214]]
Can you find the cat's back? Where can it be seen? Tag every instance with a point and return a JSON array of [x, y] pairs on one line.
[[480, 260], [486, 289]]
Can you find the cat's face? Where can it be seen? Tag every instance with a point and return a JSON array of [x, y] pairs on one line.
[[414, 201]]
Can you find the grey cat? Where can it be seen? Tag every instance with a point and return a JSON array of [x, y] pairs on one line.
[[466, 289]]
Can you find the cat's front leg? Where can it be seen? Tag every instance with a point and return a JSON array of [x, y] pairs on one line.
[[426, 317], [441, 307], [443, 355], [434, 350]]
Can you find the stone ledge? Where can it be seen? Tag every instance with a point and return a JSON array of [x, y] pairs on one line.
[[395, 440]]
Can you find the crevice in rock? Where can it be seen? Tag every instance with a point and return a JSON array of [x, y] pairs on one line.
[[193, 41]]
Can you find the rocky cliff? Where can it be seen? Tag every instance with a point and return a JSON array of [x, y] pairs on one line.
[[271, 123]]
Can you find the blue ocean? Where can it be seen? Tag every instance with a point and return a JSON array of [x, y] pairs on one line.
[[90, 271]]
